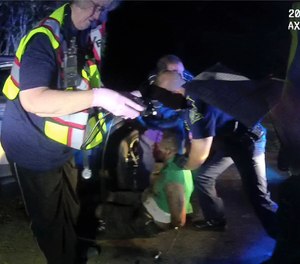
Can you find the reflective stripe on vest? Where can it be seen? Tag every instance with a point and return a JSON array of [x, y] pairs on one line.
[[70, 129], [50, 27], [94, 136]]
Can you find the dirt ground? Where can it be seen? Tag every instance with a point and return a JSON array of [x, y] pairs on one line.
[[244, 241]]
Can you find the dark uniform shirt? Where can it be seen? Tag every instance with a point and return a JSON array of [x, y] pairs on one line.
[[204, 121], [23, 140], [22, 136], [207, 121]]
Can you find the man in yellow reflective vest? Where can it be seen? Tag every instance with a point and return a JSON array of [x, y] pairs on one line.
[[47, 114]]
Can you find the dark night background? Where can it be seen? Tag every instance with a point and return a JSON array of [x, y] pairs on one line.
[[249, 37]]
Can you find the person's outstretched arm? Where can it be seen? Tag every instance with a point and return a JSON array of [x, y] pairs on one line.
[[47, 102]]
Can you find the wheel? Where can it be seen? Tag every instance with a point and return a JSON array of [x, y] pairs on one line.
[[121, 159]]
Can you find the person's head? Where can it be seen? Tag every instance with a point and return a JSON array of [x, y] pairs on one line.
[[170, 62], [167, 147], [171, 81], [86, 12]]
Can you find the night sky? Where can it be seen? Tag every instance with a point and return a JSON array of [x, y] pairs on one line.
[[249, 37]]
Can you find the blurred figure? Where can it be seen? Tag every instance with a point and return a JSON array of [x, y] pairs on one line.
[[286, 121], [170, 62], [165, 118]]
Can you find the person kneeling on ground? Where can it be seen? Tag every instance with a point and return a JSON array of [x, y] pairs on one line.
[[162, 206], [216, 138]]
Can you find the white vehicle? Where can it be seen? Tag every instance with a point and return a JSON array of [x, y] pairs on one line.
[[5, 66]]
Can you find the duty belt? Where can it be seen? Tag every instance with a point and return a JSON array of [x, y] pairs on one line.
[[256, 132]]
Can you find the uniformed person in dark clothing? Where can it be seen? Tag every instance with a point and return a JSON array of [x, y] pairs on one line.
[[210, 126]]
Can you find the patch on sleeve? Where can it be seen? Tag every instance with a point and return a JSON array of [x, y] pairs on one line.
[[194, 114]]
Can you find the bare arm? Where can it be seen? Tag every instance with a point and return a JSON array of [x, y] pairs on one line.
[[199, 152], [176, 202], [38, 97], [46, 102]]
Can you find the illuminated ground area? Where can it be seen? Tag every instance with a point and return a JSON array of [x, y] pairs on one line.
[[244, 241]]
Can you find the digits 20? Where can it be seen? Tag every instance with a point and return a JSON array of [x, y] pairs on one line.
[[294, 13]]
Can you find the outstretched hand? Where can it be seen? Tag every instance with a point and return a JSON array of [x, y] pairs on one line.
[[116, 103]]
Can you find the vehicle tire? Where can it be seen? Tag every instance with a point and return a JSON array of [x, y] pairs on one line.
[[121, 159]]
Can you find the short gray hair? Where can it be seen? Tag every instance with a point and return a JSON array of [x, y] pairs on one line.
[[81, 3]]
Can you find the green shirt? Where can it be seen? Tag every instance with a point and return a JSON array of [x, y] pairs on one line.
[[171, 173]]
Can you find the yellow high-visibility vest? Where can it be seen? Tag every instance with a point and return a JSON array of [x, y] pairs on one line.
[[70, 130]]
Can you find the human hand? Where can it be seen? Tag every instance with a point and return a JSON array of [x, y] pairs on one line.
[[116, 103]]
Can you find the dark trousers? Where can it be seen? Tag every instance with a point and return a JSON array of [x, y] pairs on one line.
[[249, 159], [127, 222], [52, 205]]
